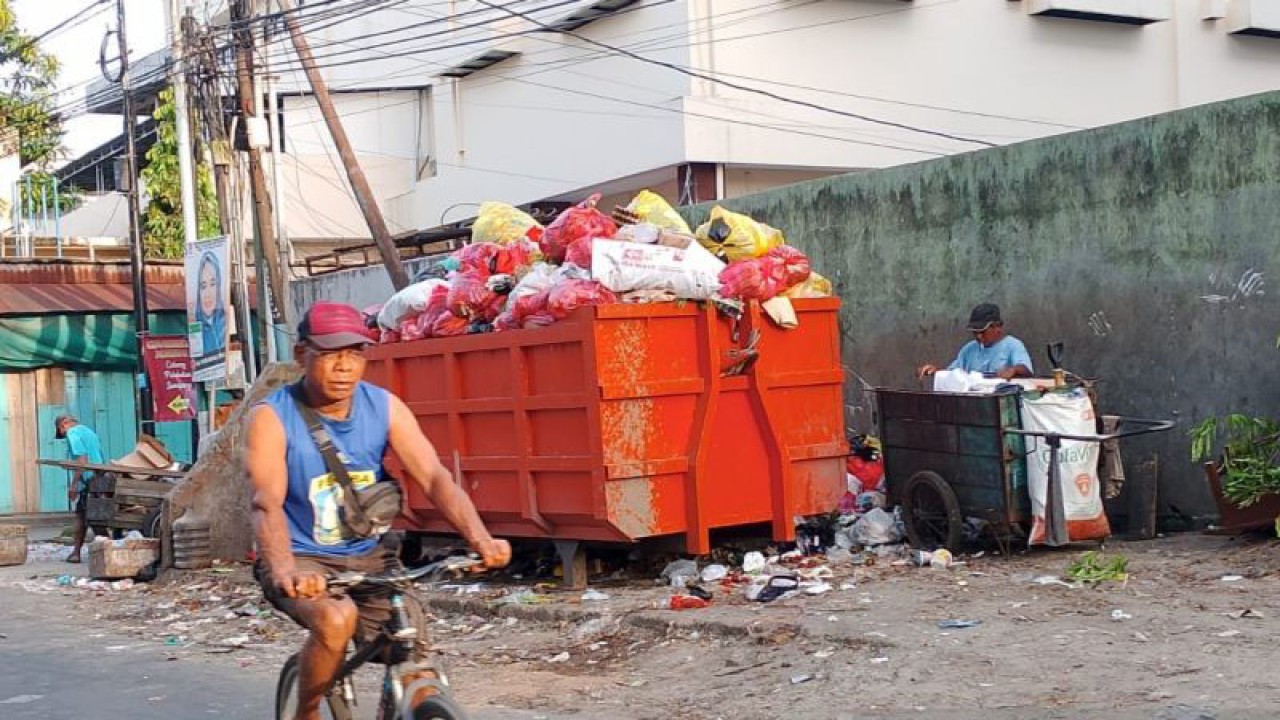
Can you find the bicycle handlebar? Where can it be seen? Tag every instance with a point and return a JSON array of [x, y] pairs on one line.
[[351, 579]]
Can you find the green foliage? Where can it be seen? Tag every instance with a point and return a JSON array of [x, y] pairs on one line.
[[1250, 449], [41, 189], [1092, 568], [28, 79], [162, 231]]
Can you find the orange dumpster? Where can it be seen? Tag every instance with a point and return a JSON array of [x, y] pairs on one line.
[[625, 422]]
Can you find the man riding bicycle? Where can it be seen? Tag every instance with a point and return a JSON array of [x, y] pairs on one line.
[[304, 521]]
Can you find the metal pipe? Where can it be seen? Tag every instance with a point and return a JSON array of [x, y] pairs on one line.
[[57, 215]]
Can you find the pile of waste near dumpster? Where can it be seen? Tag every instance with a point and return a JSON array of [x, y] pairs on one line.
[[517, 274]]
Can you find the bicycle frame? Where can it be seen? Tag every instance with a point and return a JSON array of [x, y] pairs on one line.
[[396, 638]]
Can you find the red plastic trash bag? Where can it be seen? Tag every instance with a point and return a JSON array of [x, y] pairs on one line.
[[579, 253], [795, 264], [472, 295], [580, 222], [388, 337], [569, 295], [446, 324], [756, 279]]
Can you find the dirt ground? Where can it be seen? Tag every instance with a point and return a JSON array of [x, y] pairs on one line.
[[1190, 634]]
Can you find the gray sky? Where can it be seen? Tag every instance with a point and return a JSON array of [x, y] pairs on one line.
[[77, 50]]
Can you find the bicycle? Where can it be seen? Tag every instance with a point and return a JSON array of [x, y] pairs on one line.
[[395, 641]]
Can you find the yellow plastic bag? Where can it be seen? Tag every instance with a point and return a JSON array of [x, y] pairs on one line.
[[815, 287], [731, 236], [651, 207], [503, 224]]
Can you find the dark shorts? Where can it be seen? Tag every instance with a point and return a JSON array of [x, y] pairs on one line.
[[374, 606]]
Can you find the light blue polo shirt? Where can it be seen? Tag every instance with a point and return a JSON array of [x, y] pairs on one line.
[[1007, 352]]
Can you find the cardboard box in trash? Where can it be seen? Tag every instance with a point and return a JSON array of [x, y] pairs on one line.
[[109, 561], [149, 454]]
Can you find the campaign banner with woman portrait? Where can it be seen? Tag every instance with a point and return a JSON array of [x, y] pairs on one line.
[[208, 307]]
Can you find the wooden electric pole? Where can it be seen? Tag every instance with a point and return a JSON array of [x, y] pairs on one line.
[[359, 184]]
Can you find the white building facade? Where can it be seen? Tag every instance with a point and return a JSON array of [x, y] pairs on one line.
[[452, 103]]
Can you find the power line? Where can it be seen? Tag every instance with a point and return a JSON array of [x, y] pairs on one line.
[[741, 87], [81, 15]]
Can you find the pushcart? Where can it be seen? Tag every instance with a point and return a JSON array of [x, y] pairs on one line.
[[950, 457]]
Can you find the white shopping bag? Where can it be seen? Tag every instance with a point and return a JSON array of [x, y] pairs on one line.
[[1070, 413]]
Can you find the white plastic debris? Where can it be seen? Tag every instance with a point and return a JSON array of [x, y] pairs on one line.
[[752, 563], [714, 573], [594, 596]]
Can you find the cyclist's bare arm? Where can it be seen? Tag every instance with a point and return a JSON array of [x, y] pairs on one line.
[[425, 469], [269, 477]]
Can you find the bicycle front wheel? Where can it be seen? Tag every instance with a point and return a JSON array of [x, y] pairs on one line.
[[334, 707], [438, 707]]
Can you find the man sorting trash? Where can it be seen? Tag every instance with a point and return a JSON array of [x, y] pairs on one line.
[[991, 352]]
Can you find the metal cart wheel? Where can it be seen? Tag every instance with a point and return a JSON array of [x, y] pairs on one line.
[[931, 512]]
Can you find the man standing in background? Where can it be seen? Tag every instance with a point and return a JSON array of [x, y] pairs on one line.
[[84, 446]]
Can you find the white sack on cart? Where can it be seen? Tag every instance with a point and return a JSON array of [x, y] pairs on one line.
[[1069, 413]]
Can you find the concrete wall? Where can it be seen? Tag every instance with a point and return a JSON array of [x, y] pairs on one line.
[[1147, 247], [360, 287]]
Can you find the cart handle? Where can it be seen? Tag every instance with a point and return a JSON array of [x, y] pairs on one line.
[[1144, 427]]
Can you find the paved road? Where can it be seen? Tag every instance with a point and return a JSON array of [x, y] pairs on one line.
[[55, 669]]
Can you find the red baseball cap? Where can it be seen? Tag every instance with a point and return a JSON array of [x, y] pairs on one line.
[[331, 325]]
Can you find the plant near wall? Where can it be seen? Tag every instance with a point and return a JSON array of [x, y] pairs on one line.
[[1250, 451], [162, 232], [28, 83]]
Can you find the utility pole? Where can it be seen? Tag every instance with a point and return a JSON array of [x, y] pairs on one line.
[[266, 247], [174, 18], [186, 168], [359, 184], [136, 262], [220, 153]]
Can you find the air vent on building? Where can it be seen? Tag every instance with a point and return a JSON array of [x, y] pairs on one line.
[[1254, 17], [588, 14], [489, 58], [1124, 12]]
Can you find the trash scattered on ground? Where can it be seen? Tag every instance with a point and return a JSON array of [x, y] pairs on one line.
[[879, 660], [1185, 712], [1053, 580], [801, 679], [1094, 568], [679, 573], [1247, 613], [523, 597], [47, 552], [877, 527], [752, 563], [687, 602], [959, 624], [1119, 615], [940, 558], [1232, 578], [772, 587], [714, 573], [594, 596], [1228, 633], [562, 657]]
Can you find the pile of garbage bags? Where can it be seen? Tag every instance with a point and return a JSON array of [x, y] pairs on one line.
[[516, 274]]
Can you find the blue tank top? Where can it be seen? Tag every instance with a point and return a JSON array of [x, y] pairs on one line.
[[314, 496]]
